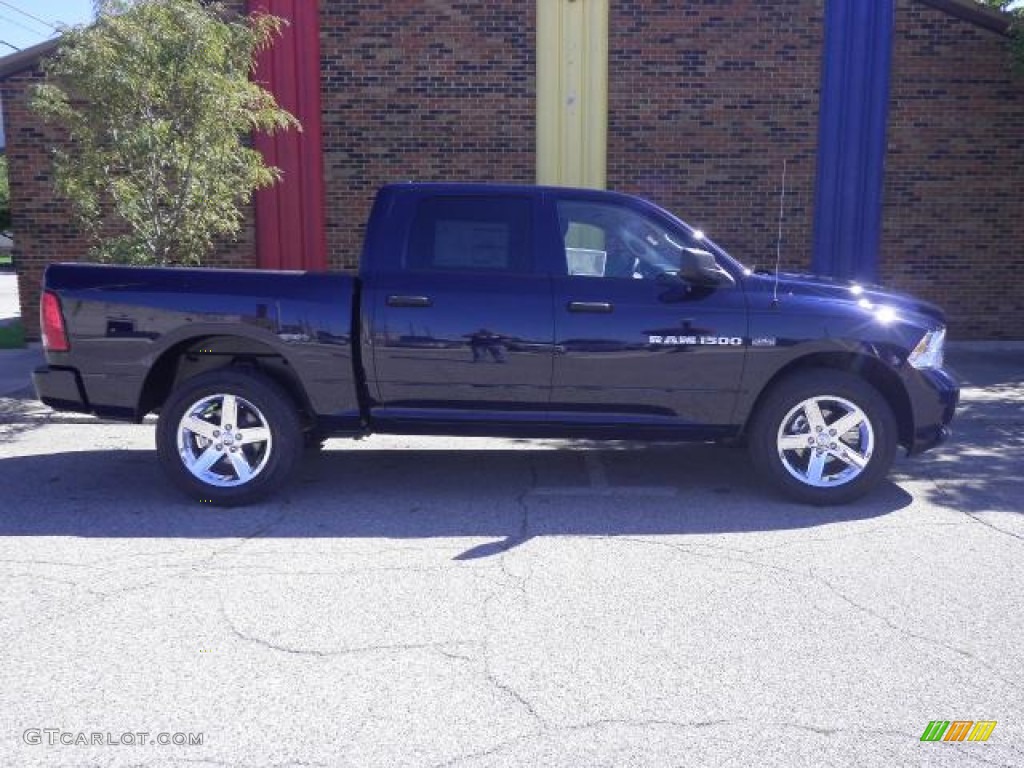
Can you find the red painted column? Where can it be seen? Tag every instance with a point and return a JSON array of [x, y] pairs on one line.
[[290, 216]]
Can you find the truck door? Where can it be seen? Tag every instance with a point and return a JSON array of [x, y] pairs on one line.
[[461, 324], [636, 342]]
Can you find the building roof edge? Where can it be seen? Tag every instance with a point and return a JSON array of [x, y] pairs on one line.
[[27, 58], [975, 13]]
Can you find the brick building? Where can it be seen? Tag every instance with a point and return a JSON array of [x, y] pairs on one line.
[[900, 122]]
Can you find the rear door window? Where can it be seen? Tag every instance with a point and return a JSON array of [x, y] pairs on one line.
[[471, 234]]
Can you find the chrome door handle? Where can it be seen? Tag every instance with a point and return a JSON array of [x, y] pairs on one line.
[[590, 306], [409, 301]]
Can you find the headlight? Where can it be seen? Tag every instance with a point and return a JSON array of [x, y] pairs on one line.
[[928, 352]]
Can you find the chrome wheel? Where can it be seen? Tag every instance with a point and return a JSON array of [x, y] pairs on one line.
[[224, 440], [825, 441]]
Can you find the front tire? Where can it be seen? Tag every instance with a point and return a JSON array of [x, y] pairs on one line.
[[823, 437], [229, 437]]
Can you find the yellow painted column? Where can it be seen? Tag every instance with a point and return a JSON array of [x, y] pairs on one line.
[[572, 92]]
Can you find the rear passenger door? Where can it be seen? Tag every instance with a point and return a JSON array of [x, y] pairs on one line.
[[462, 324]]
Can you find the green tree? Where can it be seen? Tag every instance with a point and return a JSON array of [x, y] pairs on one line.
[[157, 103], [1016, 9], [5, 196]]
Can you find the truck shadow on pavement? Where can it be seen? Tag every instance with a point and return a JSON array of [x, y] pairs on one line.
[[509, 495], [980, 468], [20, 413]]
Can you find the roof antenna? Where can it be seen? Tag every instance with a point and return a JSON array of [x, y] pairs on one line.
[[778, 242]]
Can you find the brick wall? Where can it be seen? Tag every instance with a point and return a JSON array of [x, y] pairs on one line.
[[422, 90], [706, 99], [953, 228], [41, 222]]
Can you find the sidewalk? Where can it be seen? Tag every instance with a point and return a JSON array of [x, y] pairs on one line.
[[9, 309], [16, 367], [12, 333]]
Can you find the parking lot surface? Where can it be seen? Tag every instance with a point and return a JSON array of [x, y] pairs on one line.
[[439, 602]]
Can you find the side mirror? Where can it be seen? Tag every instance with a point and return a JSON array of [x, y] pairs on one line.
[[700, 268]]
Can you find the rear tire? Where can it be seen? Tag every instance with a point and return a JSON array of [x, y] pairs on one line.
[[229, 437], [823, 437]]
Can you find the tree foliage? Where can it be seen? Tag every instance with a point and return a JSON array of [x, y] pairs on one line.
[[157, 102], [1016, 9]]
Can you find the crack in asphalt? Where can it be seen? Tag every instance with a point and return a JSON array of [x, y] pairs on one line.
[[374, 648], [201, 762], [816, 578], [55, 580], [192, 568], [490, 675], [695, 725], [630, 722], [322, 653], [446, 648], [874, 530], [946, 496], [911, 633], [491, 751], [32, 561], [456, 656], [517, 540], [519, 582], [256, 570], [103, 598]]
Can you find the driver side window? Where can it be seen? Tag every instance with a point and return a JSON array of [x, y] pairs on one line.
[[606, 240]]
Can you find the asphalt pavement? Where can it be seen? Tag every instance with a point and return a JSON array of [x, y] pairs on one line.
[[478, 602]]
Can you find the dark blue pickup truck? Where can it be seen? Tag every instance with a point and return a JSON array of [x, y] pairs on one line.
[[506, 311]]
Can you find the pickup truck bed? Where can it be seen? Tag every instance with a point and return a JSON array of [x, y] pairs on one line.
[[140, 331]]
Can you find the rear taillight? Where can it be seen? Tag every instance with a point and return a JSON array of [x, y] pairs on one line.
[[55, 338]]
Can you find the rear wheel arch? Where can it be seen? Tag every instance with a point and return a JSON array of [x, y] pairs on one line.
[[201, 354]]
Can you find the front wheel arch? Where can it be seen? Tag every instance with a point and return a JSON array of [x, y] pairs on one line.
[[883, 379]]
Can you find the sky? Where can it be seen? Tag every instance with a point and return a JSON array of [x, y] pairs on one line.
[[18, 28], [24, 23]]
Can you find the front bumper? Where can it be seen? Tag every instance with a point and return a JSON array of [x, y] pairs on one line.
[[934, 395]]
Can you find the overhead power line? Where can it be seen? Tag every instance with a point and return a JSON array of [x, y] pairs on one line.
[[19, 24], [16, 9]]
